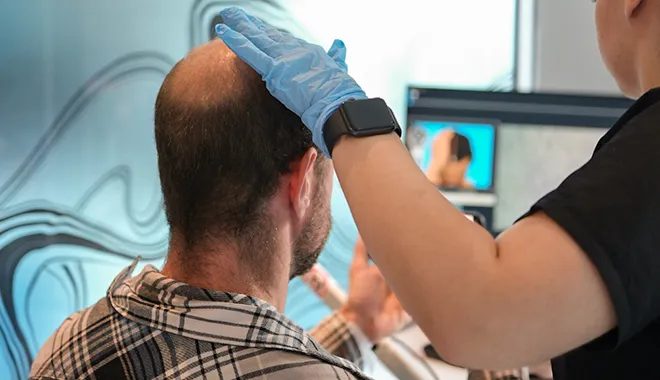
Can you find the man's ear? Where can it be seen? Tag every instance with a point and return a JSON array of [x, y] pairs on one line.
[[302, 181], [631, 7]]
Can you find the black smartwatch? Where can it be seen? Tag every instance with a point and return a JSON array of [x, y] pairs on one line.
[[359, 118]]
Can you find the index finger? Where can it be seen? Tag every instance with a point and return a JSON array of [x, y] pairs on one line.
[[245, 49], [360, 255], [272, 32], [252, 28]]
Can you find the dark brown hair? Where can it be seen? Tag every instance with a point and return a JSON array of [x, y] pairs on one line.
[[222, 145]]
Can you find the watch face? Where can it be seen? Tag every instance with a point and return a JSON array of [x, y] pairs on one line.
[[369, 115]]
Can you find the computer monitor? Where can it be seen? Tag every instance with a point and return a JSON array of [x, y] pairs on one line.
[[539, 140]]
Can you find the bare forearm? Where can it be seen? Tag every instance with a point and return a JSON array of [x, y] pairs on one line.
[[399, 212], [530, 296]]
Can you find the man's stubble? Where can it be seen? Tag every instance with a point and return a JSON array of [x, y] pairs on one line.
[[314, 235]]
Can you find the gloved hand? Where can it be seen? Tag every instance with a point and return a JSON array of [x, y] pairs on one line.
[[306, 79]]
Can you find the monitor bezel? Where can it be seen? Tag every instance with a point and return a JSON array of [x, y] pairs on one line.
[[525, 108], [532, 109]]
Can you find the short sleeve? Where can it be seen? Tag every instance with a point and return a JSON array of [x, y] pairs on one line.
[[611, 209]]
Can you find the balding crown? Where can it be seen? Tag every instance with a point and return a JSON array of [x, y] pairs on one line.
[[223, 143], [210, 74]]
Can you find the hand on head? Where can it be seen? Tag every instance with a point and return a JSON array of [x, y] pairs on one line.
[[306, 79], [371, 304]]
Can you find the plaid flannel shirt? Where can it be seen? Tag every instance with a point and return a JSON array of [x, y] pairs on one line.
[[152, 327]]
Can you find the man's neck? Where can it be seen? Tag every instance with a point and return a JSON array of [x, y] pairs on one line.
[[221, 268]]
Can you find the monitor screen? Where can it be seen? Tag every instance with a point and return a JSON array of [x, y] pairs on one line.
[[454, 155]]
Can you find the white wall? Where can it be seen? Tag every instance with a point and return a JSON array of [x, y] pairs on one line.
[[566, 55], [558, 53]]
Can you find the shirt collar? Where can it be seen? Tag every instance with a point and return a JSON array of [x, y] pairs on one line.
[[162, 303], [647, 100], [154, 300]]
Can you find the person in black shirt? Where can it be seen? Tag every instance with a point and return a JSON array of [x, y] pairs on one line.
[[576, 279]]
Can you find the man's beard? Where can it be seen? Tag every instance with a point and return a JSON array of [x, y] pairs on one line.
[[314, 235]]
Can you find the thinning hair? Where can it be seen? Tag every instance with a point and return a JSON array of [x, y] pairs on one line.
[[223, 143]]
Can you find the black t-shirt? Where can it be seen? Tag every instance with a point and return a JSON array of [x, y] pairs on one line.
[[611, 208]]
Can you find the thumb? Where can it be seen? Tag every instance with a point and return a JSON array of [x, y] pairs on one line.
[[338, 53]]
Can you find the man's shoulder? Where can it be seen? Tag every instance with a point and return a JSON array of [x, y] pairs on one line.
[[75, 340], [278, 364], [229, 362], [99, 341], [161, 354]]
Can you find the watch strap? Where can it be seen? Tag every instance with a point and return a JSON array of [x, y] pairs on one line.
[[335, 127], [338, 124]]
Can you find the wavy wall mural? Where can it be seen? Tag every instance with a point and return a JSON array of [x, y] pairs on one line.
[[79, 191], [84, 200]]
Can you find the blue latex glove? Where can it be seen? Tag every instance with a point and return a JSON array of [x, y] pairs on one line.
[[306, 79]]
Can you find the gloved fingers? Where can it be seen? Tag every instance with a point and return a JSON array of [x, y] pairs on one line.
[[245, 49], [239, 21], [337, 50], [257, 22], [272, 32], [338, 53]]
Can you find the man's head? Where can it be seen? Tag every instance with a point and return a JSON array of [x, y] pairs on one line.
[[629, 41], [237, 167], [460, 159]]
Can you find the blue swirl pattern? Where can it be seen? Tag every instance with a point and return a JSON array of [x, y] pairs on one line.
[[84, 200]]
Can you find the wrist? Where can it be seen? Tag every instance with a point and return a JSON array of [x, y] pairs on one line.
[[366, 325], [357, 118], [347, 145], [319, 114]]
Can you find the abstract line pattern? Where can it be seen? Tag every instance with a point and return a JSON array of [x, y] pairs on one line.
[[47, 245], [30, 226], [58, 256]]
